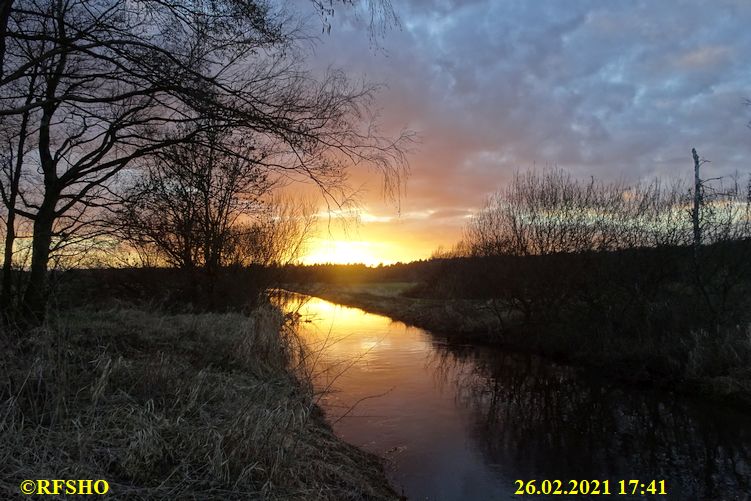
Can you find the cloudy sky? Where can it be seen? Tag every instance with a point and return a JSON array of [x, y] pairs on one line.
[[618, 89]]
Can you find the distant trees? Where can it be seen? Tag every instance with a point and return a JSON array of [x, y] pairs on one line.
[[551, 248], [104, 85], [551, 212]]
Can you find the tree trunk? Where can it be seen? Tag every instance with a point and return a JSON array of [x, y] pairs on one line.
[[5, 9], [35, 298], [10, 238], [10, 234]]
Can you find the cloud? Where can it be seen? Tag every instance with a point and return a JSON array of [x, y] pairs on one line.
[[705, 57], [610, 89]]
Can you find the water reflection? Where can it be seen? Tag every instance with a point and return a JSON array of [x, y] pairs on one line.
[[543, 421], [458, 422]]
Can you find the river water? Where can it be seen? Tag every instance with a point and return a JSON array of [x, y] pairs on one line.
[[466, 423]]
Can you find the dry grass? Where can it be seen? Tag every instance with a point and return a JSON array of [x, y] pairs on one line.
[[172, 406]]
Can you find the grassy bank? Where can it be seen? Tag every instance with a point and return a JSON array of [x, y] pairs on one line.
[[715, 364], [210, 406], [461, 320]]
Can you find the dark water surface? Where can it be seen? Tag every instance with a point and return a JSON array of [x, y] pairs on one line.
[[464, 423]]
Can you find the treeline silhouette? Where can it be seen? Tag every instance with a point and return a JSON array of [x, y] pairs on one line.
[[654, 276], [653, 280], [627, 258], [358, 273]]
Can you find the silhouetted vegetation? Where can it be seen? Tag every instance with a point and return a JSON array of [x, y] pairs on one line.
[[613, 273], [357, 273], [177, 93], [622, 260], [142, 143], [651, 282]]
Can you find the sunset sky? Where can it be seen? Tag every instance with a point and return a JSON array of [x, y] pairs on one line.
[[611, 89]]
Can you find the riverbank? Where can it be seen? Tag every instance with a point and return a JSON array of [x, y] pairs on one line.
[[189, 406], [713, 365], [460, 320]]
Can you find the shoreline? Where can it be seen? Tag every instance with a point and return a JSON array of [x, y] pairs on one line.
[[207, 406], [468, 321]]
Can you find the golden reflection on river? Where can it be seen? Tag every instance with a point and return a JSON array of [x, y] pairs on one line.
[[463, 422], [384, 389]]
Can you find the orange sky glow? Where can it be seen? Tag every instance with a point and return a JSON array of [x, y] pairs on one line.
[[497, 87], [375, 240]]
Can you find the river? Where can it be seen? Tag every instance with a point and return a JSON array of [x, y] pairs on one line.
[[467, 422]]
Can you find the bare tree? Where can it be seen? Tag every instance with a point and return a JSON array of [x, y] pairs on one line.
[[698, 201], [380, 13], [551, 212], [5, 6], [277, 237], [612, 251], [121, 81], [187, 202], [15, 149]]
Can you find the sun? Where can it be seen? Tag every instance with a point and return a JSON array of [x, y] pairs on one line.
[[345, 252]]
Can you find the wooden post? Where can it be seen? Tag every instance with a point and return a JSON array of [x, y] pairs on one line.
[[696, 220], [697, 202]]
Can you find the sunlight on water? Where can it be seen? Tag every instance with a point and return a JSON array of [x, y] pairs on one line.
[[388, 392], [343, 335], [461, 422]]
